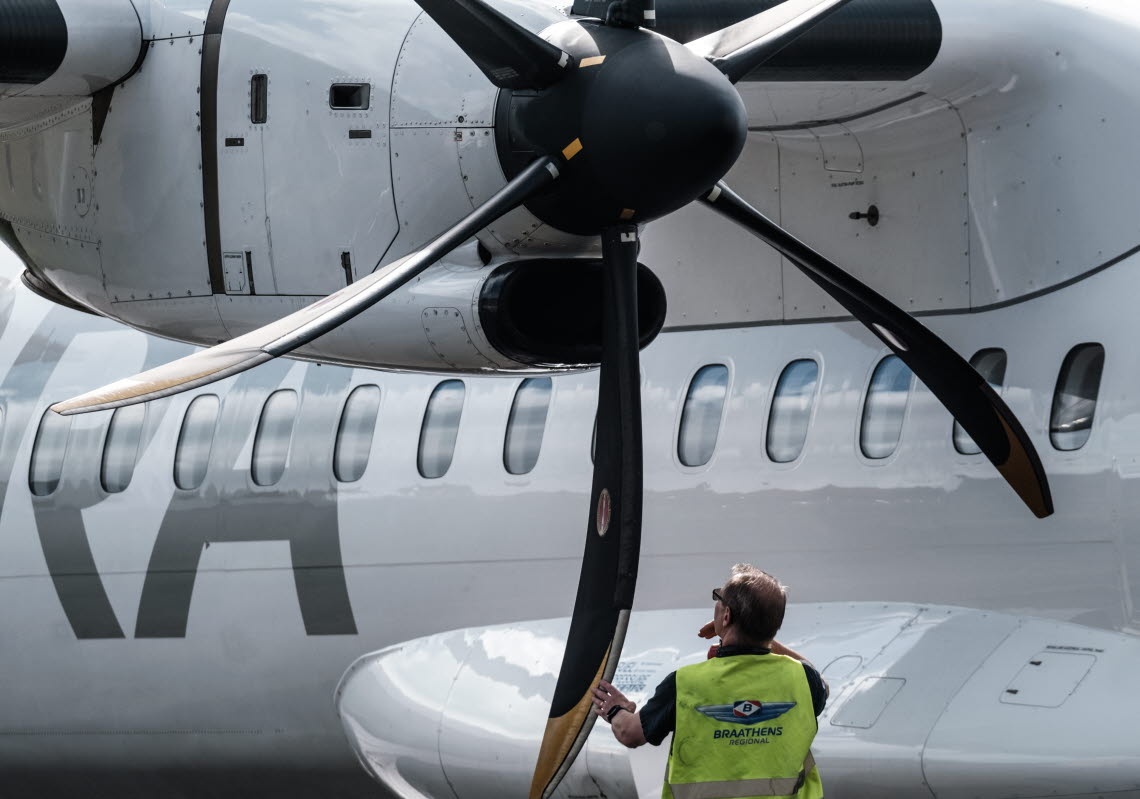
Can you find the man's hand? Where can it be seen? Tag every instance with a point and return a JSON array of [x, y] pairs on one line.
[[606, 697], [626, 726]]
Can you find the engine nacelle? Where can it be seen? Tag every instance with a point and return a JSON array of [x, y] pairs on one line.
[[526, 315]]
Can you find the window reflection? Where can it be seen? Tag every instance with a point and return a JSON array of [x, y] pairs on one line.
[[274, 437], [121, 449], [990, 364], [195, 441], [48, 453], [884, 408], [440, 428], [354, 436], [700, 418], [1074, 401], [791, 410], [526, 425]]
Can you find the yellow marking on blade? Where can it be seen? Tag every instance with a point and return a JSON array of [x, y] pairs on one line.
[[560, 734], [1018, 472], [626, 213], [572, 149], [592, 61], [140, 390]]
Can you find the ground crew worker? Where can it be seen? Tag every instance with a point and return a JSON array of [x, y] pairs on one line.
[[743, 721]]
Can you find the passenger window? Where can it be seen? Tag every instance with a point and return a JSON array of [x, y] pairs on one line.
[[195, 441], [274, 437], [791, 410], [884, 408], [700, 417], [990, 364], [121, 449], [526, 424], [349, 95], [48, 453], [354, 436], [440, 428], [1074, 401]]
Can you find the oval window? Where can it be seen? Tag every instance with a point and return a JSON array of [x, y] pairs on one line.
[[274, 437], [195, 441], [354, 435], [48, 453], [121, 449], [885, 408], [440, 428], [791, 410], [700, 417], [526, 425], [990, 364], [1074, 401]]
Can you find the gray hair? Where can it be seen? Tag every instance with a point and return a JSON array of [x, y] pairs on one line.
[[757, 601]]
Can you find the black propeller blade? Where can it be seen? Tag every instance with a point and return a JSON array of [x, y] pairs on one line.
[[968, 397], [741, 48], [299, 328], [507, 53], [613, 537]]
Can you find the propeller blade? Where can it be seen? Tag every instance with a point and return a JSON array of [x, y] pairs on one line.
[[511, 56], [968, 397], [740, 48], [613, 533], [299, 328]]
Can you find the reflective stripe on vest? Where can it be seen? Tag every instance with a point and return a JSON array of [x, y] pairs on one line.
[[734, 789]]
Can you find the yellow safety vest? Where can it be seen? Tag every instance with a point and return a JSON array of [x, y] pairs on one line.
[[745, 725]]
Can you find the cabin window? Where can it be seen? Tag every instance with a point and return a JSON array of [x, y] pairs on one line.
[[791, 410], [349, 96], [195, 441], [48, 453], [990, 364], [700, 417], [884, 408], [274, 437], [354, 435], [1074, 401], [259, 99], [121, 448], [440, 428], [526, 424]]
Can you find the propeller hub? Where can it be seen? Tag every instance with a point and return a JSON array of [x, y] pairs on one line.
[[643, 127]]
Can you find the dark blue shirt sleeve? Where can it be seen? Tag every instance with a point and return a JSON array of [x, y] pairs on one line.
[[818, 692], [659, 714]]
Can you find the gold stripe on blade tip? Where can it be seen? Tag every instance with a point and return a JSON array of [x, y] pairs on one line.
[[127, 393], [592, 61], [1018, 472], [560, 733], [572, 149]]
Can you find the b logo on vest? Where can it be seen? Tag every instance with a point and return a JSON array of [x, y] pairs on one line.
[[746, 711]]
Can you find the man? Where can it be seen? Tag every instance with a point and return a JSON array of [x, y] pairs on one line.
[[744, 720]]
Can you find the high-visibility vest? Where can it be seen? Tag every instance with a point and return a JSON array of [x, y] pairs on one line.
[[745, 724]]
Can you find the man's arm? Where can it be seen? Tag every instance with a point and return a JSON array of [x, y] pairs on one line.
[[779, 649], [626, 722]]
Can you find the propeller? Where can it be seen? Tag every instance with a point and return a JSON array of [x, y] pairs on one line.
[[600, 127], [964, 392], [613, 533], [299, 328]]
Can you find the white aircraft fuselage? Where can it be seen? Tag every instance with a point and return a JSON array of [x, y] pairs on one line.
[[188, 641]]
